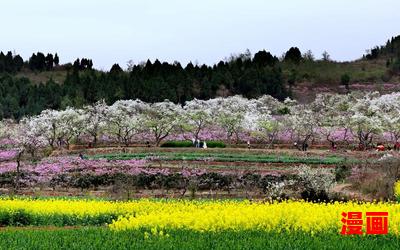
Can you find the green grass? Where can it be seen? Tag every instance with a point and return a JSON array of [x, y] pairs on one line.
[[26, 218], [223, 157], [102, 238]]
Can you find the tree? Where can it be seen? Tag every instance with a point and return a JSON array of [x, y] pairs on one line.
[[293, 55], [95, 119], [124, 120], [345, 80], [71, 126], [309, 56], [334, 110], [18, 62], [325, 56], [49, 62], [263, 58], [161, 119], [260, 122], [303, 123], [365, 121], [56, 60], [389, 107], [116, 69], [197, 115], [29, 137], [49, 123], [230, 114]]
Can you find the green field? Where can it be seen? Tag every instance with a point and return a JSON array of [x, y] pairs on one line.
[[222, 157], [101, 238]]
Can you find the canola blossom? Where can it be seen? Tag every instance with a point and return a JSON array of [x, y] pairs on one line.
[[212, 216], [205, 215], [397, 189]]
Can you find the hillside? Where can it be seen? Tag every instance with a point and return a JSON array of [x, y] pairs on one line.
[[40, 83]]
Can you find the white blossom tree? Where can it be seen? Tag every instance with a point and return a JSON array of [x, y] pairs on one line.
[[197, 115], [365, 120], [334, 114], [303, 124], [161, 119], [94, 117], [29, 136], [389, 114], [124, 120], [71, 126], [229, 114]]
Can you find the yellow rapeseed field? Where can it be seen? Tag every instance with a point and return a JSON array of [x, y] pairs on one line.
[[246, 215], [209, 215], [397, 189]]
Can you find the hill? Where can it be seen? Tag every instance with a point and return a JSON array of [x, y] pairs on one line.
[[40, 83]]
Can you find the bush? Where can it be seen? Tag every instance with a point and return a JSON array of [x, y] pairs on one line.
[[18, 217], [188, 144], [315, 182], [342, 172], [177, 144], [376, 178], [216, 144]]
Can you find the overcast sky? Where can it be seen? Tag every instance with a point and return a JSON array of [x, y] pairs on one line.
[[205, 31]]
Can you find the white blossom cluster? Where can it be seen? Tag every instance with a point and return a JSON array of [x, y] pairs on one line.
[[359, 115]]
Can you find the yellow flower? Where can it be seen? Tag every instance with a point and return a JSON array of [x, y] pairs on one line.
[[397, 189]]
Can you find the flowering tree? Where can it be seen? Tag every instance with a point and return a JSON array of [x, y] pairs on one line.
[[334, 114], [94, 117], [260, 122], [229, 114], [29, 136], [365, 120], [161, 119], [124, 119], [303, 123], [197, 115], [389, 106], [71, 126]]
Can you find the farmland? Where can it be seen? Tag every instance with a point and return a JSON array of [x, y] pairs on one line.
[[224, 173]]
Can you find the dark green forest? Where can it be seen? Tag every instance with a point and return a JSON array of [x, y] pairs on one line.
[[244, 74]]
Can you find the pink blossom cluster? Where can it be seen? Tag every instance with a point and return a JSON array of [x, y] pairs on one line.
[[49, 168], [7, 154]]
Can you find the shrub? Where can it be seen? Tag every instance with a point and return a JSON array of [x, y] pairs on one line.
[[188, 144], [177, 144], [216, 144], [316, 182], [376, 178], [342, 172]]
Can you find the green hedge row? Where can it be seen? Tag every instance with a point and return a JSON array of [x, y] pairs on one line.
[[187, 144]]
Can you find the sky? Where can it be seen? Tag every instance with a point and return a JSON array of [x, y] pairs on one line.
[[205, 31]]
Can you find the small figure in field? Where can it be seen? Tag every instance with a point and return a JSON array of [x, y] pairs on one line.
[[194, 142], [204, 145], [304, 146], [147, 144], [333, 146], [397, 146], [380, 147], [296, 145], [81, 156], [248, 144], [198, 143]]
